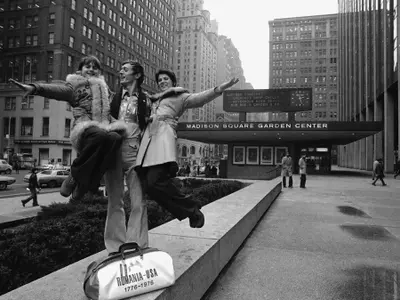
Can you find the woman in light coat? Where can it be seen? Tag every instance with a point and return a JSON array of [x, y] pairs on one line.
[[156, 160]]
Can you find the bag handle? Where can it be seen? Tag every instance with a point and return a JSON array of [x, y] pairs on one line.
[[129, 246]]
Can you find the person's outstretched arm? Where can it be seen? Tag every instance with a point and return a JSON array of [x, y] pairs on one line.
[[200, 99], [57, 91]]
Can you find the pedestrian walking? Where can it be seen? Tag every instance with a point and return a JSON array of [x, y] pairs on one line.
[[287, 170], [303, 170], [33, 186], [379, 172], [397, 169], [375, 163]]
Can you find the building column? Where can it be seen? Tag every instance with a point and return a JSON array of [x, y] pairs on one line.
[[369, 151], [363, 146], [378, 138], [388, 132]]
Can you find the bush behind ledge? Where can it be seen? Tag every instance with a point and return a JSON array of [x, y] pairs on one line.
[[64, 233]]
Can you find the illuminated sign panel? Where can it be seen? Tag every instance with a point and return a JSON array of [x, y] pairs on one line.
[[283, 100]]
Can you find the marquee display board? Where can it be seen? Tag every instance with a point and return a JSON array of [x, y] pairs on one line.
[[282, 100]]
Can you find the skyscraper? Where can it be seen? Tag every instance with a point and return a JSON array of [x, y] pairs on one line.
[[303, 54], [196, 54], [368, 79], [229, 65], [43, 40]]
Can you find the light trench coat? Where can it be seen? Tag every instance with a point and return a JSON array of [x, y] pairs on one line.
[[302, 166], [159, 141]]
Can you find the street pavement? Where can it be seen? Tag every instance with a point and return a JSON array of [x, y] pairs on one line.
[[19, 187], [337, 239]]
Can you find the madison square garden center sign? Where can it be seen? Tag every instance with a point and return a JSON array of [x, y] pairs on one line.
[[282, 100]]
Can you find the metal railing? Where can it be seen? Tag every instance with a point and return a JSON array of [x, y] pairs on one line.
[[274, 173]]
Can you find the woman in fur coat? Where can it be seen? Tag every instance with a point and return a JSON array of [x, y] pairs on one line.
[[95, 135]]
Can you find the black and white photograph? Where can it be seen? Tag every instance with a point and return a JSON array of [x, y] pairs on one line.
[[266, 155], [239, 155], [251, 145], [252, 155], [280, 152]]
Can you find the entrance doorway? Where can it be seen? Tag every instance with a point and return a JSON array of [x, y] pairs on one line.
[[67, 156], [318, 159], [43, 156]]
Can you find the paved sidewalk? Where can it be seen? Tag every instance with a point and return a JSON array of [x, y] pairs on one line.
[[337, 239], [12, 211]]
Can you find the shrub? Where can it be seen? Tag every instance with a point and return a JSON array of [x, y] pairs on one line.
[[64, 233]]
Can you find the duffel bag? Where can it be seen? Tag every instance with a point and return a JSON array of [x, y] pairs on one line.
[[129, 272]]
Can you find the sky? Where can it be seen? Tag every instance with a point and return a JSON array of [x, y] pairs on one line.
[[246, 23]]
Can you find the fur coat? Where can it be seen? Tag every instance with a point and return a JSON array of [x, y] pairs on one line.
[[90, 100]]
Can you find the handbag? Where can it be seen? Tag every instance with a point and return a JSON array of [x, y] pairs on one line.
[[129, 272]]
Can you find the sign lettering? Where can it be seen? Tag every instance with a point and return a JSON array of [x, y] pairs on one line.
[[285, 100], [255, 126]]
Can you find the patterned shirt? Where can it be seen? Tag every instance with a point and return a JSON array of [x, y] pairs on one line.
[[128, 113]]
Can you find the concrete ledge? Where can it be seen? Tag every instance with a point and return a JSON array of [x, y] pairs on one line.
[[18, 218], [199, 254]]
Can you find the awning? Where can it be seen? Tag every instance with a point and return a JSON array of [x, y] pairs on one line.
[[336, 133]]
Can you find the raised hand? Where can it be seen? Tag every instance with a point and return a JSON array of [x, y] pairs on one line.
[[28, 89], [227, 85]]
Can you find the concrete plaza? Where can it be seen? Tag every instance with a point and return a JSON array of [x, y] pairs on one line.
[[337, 239]]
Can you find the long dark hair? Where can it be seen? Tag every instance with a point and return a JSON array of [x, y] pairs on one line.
[[143, 111]]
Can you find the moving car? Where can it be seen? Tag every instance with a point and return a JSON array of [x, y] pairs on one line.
[[50, 178], [6, 181], [5, 167]]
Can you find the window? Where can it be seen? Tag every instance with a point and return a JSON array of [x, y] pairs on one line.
[[70, 61], [51, 38], [71, 41], [67, 130], [9, 126], [27, 103], [45, 126], [10, 103], [52, 19], [26, 126], [73, 4], [72, 23], [46, 104]]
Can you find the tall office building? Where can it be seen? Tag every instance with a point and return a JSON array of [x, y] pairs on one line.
[[303, 53], [229, 66], [196, 37], [196, 55], [368, 79], [43, 40]]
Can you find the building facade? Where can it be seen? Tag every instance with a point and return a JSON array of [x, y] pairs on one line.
[[368, 79], [229, 65], [196, 37], [303, 53], [43, 40]]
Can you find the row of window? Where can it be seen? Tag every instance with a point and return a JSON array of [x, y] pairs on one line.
[[26, 128], [309, 44], [10, 103]]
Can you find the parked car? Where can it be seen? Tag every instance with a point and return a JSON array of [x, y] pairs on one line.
[[6, 181], [50, 178], [5, 167]]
